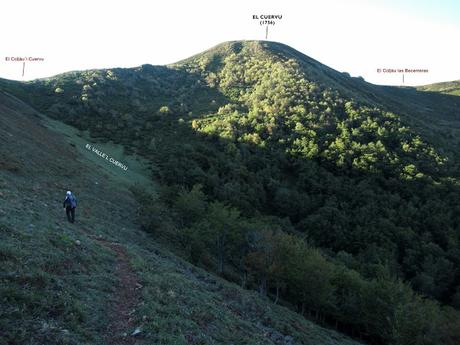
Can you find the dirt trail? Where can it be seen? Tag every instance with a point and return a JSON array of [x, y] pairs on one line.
[[127, 297]]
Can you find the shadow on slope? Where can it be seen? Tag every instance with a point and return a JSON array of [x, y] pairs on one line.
[[56, 290]]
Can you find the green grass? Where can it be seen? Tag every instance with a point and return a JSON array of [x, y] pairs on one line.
[[450, 88], [139, 168], [52, 289], [186, 305]]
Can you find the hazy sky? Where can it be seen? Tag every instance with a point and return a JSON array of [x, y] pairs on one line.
[[355, 36]]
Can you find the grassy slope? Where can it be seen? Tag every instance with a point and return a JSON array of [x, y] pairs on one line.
[[54, 291], [450, 87]]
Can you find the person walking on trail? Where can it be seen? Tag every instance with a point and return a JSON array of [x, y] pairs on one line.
[[70, 204]]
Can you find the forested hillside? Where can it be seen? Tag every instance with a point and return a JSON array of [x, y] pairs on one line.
[[102, 280], [317, 189]]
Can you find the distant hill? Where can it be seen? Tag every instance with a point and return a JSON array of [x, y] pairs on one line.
[[330, 194], [450, 88]]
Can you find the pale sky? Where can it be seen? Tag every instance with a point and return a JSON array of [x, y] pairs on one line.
[[354, 36]]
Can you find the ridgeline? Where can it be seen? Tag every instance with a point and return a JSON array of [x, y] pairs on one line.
[[333, 197]]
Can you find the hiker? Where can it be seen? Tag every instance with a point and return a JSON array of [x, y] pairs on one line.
[[70, 204]]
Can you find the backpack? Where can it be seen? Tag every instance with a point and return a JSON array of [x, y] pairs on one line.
[[70, 201], [73, 201]]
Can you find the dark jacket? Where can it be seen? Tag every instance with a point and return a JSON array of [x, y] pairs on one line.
[[70, 201]]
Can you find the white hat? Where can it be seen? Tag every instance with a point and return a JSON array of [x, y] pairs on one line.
[[68, 192]]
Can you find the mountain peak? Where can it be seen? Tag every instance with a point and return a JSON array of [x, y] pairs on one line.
[[256, 147]]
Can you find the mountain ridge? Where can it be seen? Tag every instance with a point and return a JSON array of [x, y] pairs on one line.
[[291, 178], [397, 98]]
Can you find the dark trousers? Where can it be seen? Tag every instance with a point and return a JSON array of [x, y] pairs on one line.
[[70, 214]]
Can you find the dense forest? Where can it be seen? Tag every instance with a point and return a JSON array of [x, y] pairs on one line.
[[279, 173]]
